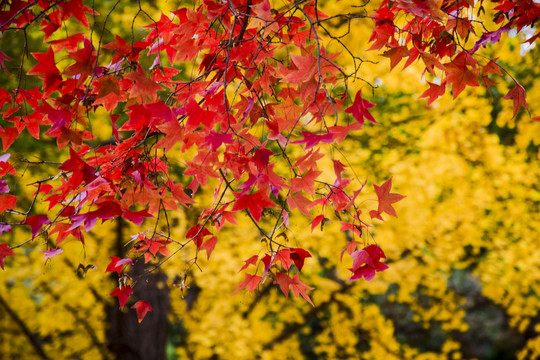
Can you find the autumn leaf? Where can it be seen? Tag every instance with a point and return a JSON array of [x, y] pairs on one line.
[[309, 160], [518, 95], [386, 199], [250, 282], [434, 92], [305, 68], [198, 233], [8, 136], [298, 255], [179, 194], [143, 87], [366, 262], [254, 203], [300, 202], [283, 256], [209, 246], [316, 221], [311, 139], [77, 9], [7, 202], [431, 62], [51, 253], [305, 182], [491, 37], [123, 293], [117, 264], [459, 78], [36, 222], [299, 288], [395, 55], [174, 133], [5, 251], [251, 261], [84, 62], [142, 308], [45, 63], [136, 217], [359, 109], [350, 248], [284, 281]]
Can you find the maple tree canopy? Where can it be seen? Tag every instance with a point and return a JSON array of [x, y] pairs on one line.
[[263, 102]]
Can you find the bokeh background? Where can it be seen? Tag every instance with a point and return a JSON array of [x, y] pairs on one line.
[[464, 254]]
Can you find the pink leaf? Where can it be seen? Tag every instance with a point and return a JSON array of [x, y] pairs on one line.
[[51, 253]]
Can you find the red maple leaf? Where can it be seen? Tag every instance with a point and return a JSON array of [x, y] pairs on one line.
[[173, 134], [36, 222], [198, 233], [316, 221], [8, 136], [298, 255], [366, 262], [7, 202], [460, 78], [77, 9], [197, 116], [284, 281], [254, 203], [5, 251], [250, 282], [359, 109], [300, 202], [251, 261], [136, 217], [434, 92], [122, 47], [305, 182], [142, 308], [308, 161], [382, 35], [299, 288], [117, 264], [283, 256], [45, 63], [386, 199], [123, 293], [209, 246], [305, 68], [70, 43], [143, 86], [84, 62], [519, 95]]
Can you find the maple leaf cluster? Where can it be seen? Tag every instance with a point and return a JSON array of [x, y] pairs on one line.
[[264, 95], [437, 32]]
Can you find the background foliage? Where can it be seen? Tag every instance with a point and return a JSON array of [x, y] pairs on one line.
[[463, 282]]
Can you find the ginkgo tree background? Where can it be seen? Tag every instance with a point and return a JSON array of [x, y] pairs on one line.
[[462, 256]]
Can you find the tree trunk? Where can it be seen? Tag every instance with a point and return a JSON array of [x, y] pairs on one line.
[[126, 338]]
